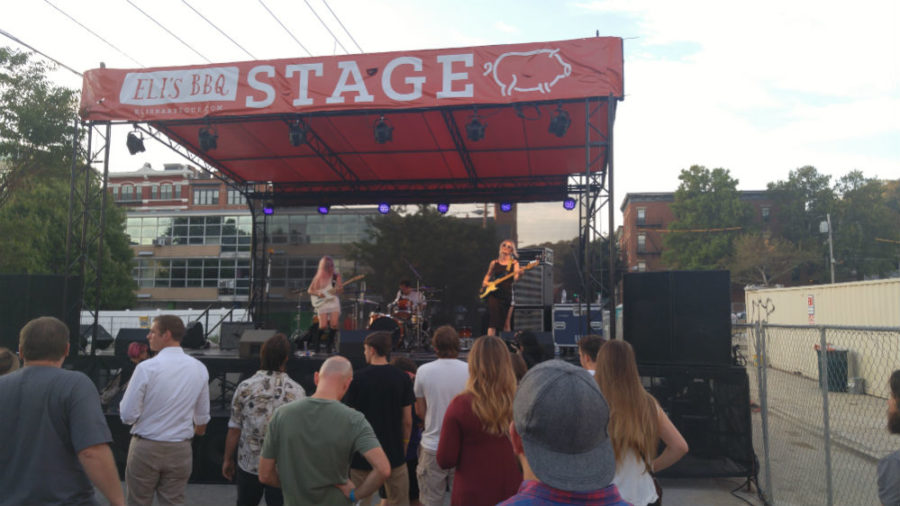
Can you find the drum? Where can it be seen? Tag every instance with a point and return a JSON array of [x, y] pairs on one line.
[[387, 323], [403, 310]]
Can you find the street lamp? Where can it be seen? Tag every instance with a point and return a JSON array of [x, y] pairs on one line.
[[825, 226]]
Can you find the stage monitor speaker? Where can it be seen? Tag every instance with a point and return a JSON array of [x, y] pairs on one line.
[[86, 331], [230, 334], [124, 338], [352, 346], [25, 297], [535, 287], [194, 337], [545, 339], [533, 318], [252, 341], [678, 317]]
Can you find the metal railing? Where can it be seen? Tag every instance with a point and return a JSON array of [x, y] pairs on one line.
[[821, 394]]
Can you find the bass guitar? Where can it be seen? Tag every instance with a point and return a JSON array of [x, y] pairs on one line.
[[318, 301], [492, 285]]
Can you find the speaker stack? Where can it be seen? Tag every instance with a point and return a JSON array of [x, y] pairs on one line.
[[533, 293]]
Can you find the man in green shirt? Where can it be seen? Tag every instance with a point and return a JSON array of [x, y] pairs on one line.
[[310, 442]]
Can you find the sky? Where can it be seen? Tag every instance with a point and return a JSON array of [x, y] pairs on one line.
[[759, 88]]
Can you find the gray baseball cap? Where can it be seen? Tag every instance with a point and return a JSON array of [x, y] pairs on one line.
[[561, 416]]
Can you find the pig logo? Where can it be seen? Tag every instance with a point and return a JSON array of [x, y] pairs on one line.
[[536, 70]]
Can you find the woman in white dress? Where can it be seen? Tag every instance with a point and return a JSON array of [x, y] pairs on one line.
[[636, 424], [325, 289]]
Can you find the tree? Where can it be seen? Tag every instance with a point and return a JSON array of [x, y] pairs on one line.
[[36, 138], [450, 254], [567, 267], [708, 211], [760, 260], [862, 214]]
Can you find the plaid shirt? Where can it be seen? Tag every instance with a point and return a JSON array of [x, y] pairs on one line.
[[535, 493]]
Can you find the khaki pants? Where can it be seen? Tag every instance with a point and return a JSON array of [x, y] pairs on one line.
[[396, 486], [157, 466], [434, 482]]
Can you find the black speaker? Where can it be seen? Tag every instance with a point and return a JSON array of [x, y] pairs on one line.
[[194, 338], [125, 337], [86, 331], [534, 318], [24, 297], [352, 346], [230, 334], [678, 317], [252, 341], [545, 339]]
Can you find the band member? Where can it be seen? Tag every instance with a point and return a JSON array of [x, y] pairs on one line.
[[500, 300], [325, 289], [408, 300]]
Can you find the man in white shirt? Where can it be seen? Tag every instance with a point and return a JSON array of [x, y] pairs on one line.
[[415, 300], [437, 383], [588, 347], [166, 403]]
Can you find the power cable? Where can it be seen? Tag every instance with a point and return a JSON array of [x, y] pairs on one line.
[[342, 25], [54, 60], [108, 43], [167, 30], [326, 26], [219, 29], [285, 28]]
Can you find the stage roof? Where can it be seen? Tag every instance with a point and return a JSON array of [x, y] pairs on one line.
[[427, 98]]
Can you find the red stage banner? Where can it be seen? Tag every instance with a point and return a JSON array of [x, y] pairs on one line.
[[502, 74]]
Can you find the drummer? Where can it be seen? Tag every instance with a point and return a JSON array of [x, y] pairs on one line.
[[408, 301]]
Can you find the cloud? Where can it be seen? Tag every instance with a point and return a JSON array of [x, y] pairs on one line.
[[503, 27]]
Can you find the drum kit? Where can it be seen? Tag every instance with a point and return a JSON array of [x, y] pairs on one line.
[[408, 323]]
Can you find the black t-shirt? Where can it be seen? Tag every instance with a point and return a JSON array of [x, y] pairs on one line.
[[380, 392]]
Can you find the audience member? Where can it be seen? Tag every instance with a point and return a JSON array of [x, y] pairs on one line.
[[559, 434], [406, 365], [309, 444], [588, 346], [253, 404], [166, 403], [437, 383], [518, 365], [636, 425], [138, 352], [54, 438], [112, 393], [530, 348], [384, 394], [9, 361], [475, 432], [889, 466]]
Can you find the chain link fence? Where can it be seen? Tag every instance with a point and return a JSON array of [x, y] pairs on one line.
[[820, 400]]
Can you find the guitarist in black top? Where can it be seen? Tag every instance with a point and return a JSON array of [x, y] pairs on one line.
[[499, 295]]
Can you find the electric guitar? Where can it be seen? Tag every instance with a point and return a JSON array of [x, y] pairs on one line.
[[492, 285], [329, 296]]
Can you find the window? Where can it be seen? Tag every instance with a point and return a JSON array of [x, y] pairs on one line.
[[641, 215], [165, 191], [642, 243], [127, 193], [765, 211], [206, 196], [235, 198], [642, 266]]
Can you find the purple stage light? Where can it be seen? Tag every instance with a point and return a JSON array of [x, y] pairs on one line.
[[506, 207], [324, 209], [569, 204], [443, 208], [384, 208]]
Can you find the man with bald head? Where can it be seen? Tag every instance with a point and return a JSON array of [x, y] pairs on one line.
[[309, 444]]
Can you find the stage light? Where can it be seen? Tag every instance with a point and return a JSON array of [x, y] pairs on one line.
[[384, 208], [569, 204], [297, 134], [384, 132], [324, 209], [268, 209], [443, 208], [560, 122], [135, 142], [506, 207], [208, 138], [475, 128]]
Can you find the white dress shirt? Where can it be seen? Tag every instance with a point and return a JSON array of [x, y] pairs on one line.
[[167, 395]]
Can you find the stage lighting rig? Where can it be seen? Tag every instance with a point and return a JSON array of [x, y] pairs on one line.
[[506, 207], [135, 142], [208, 138], [560, 122], [323, 209], [569, 204], [384, 208], [297, 134], [384, 132], [475, 128], [443, 208]]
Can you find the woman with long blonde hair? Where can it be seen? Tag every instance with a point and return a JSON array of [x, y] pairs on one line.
[[636, 424], [475, 433], [499, 300], [324, 291]]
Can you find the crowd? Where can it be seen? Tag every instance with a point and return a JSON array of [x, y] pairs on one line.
[[472, 430]]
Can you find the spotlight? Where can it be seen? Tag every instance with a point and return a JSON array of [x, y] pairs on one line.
[[506, 207], [324, 209], [268, 209], [297, 134], [384, 208], [569, 204], [475, 128], [383, 131], [560, 122], [443, 208], [135, 142], [208, 138]]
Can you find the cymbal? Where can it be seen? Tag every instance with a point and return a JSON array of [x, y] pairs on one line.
[[367, 301]]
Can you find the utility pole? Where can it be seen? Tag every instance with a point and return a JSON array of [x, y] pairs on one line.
[[822, 226]]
